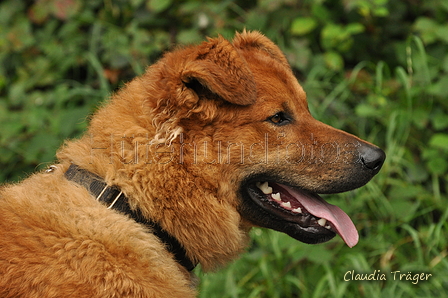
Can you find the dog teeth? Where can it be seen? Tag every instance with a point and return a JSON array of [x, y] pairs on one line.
[[276, 197], [286, 205], [264, 187], [297, 210], [322, 222], [327, 227]]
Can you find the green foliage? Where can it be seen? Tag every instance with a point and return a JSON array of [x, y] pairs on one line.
[[377, 69]]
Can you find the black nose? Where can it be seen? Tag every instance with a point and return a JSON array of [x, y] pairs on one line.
[[371, 157]]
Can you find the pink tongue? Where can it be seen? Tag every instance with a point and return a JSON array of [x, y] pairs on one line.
[[319, 208]]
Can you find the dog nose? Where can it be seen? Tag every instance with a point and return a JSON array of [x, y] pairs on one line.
[[372, 157]]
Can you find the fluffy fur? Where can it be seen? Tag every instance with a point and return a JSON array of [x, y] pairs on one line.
[[172, 140]]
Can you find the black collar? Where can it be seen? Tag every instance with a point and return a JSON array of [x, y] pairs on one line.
[[113, 197]]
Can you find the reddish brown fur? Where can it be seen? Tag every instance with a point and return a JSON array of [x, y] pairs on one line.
[[57, 241]]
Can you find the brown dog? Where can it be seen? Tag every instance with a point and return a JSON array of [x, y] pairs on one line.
[[179, 165]]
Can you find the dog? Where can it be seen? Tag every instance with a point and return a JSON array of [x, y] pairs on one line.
[[174, 171]]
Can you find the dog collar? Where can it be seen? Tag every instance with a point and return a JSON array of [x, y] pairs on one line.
[[113, 198]]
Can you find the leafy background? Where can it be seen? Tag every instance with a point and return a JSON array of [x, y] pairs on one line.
[[375, 68]]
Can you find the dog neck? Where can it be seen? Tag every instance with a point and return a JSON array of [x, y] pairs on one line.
[[113, 198]]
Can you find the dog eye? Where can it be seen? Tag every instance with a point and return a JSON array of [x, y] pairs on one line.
[[279, 119]]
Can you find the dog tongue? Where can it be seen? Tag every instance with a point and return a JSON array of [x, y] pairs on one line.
[[319, 208]]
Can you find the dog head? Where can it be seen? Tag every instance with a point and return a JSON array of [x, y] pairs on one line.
[[254, 139]]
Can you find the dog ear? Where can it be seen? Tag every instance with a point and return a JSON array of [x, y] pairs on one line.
[[249, 40], [218, 68]]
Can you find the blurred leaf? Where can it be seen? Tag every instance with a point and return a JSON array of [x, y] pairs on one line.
[[333, 60], [354, 28], [302, 26], [338, 37], [427, 27], [331, 35], [322, 13], [365, 110], [158, 5], [381, 12], [439, 140], [437, 165], [440, 121]]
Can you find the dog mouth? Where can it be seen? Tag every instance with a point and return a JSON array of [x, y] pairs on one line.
[[301, 214]]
